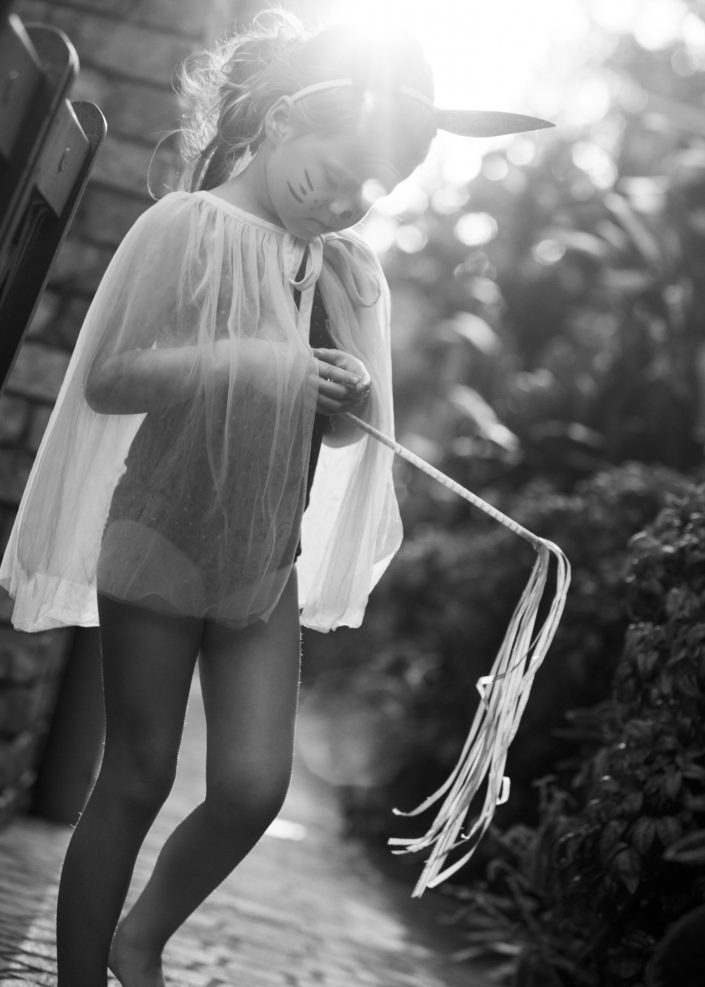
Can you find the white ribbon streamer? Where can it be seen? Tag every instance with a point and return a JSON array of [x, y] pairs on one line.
[[503, 696]]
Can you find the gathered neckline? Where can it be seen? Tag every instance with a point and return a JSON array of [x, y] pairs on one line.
[[243, 214]]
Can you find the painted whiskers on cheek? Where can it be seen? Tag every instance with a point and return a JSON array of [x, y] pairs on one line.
[[294, 193], [303, 194]]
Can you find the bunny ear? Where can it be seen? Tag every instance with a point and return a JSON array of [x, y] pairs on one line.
[[467, 123], [486, 123]]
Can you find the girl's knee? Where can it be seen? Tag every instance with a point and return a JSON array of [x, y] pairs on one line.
[[141, 779], [250, 794]]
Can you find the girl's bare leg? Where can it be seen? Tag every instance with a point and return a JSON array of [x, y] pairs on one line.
[[148, 661], [250, 685]]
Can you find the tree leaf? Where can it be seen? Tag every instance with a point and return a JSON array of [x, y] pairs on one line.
[[689, 849]]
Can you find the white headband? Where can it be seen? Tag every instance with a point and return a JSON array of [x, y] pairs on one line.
[[336, 83], [468, 123]]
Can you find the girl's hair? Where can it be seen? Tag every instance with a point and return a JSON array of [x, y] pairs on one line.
[[229, 88]]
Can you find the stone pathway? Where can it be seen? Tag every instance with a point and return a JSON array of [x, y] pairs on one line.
[[305, 909]]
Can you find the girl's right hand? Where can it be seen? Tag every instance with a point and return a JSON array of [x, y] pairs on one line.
[[343, 381]]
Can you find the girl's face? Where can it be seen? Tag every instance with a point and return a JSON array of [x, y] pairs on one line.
[[318, 184]]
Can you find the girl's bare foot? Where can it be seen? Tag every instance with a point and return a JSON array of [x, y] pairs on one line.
[[132, 963]]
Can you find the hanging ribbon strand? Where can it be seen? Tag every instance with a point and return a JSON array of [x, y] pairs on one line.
[[503, 695]]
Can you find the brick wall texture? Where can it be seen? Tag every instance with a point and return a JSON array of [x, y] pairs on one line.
[[127, 51]]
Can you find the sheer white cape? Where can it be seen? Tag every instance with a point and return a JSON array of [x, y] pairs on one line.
[[195, 503]]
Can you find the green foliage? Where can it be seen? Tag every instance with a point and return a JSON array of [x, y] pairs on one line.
[[619, 853]]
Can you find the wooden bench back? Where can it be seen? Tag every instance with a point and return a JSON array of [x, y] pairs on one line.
[[47, 150]]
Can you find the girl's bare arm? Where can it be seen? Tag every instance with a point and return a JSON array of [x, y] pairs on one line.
[[142, 380], [138, 381]]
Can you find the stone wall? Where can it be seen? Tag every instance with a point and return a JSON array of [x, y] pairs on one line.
[[127, 51]]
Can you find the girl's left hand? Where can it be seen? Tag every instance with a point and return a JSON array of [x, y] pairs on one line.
[[343, 381]]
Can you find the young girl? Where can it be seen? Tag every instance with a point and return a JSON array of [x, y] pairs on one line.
[[198, 418]]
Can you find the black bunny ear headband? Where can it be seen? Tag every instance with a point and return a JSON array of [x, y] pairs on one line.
[[467, 123]]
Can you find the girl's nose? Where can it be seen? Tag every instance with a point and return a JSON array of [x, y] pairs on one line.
[[344, 207]]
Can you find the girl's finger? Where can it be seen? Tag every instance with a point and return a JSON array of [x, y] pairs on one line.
[[334, 399], [340, 358], [332, 391], [361, 398], [343, 361], [328, 355], [328, 372]]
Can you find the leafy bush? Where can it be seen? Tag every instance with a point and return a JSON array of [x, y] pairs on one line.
[[404, 683], [619, 854], [572, 340], [567, 336]]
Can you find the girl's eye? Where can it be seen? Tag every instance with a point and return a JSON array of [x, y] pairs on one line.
[[334, 181], [338, 178]]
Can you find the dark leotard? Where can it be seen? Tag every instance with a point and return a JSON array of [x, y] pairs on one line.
[[193, 530]]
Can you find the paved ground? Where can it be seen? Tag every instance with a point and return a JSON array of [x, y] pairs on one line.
[[305, 909]]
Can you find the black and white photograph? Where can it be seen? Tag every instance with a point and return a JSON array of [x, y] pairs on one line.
[[352, 493]]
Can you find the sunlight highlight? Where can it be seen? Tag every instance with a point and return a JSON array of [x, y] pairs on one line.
[[484, 56]]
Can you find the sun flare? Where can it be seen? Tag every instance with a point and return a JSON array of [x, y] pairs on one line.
[[485, 55], [543, 58]]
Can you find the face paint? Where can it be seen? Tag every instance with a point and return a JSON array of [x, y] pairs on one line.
[[293, 192], [316, 184]]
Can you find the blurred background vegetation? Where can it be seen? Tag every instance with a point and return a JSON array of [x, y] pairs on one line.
[[549, 354]]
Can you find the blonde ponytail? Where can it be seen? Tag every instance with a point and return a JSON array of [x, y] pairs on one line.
[[228, 89]]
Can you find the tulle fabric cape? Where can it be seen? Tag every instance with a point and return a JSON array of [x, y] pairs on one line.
[[193, 503]]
